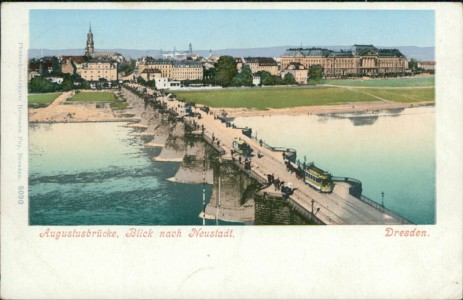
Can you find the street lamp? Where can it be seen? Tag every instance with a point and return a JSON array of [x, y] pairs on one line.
[[382, 198]]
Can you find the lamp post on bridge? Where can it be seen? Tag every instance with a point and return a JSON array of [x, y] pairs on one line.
[[382, 198], [318, 208]]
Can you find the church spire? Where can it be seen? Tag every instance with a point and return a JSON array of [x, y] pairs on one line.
[[89, 49]]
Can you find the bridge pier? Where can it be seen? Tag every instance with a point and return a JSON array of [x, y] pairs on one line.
[[273, 209]]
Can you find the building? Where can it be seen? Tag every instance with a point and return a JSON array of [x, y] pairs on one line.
[[298, 71], [163, 65], [96, 69], [55, 79], [72, 64], [358, 60], [161, 83], [427, 65], [239, 64], [90, 47], [257, 64], [91, 53], [255, 80], [187, 70], [177, 55], [150, 74], [172, 69]]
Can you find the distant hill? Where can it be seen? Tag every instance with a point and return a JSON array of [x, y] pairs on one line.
[[419, 53]]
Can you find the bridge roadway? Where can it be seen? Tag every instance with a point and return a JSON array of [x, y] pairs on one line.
[[338, 207]]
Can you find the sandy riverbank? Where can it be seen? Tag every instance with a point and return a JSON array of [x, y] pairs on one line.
[[63, 111], [320, 109]]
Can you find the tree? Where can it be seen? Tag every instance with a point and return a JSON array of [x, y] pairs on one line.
[[85, 85], [289, 79], [277, 80], [141, 81], [67, 85], [244, 78], [265, 78], [268, 79], [225, 70], [127, 67], [41, 85], [413, 64], [151, 84], [315, 72], [209, 75]]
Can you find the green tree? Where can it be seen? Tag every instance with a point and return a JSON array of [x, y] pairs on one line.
[[277, 80], [289, 79], [413, 64], [225, 70], [265, 78], [151, 84], [209, 75], [315, 72], [244, 78], [85, 85], [141, 81], [127, 67], [41, 85], [67, 85]]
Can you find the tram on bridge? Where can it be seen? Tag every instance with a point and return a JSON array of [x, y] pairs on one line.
[[241, 147], [318, 179]]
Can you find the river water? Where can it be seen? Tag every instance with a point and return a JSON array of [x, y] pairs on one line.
[[101, 174], [389, 151]]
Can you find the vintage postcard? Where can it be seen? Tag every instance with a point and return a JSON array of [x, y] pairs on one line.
[[165, 150]]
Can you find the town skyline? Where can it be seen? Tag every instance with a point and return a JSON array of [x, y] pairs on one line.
[[50, 29]]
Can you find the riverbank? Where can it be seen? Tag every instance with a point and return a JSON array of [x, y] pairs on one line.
[[78, 113], [320, 109], [61, 110]]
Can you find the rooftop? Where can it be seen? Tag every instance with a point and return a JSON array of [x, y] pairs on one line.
[[262, 61], [355, 50]]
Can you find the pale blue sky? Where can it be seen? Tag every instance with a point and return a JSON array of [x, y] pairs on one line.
[[222, 29]]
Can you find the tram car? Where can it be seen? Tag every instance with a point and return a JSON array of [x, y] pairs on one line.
[[241, 147], [318, 179]]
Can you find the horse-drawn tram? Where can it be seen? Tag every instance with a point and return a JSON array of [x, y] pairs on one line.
[[318, 179]]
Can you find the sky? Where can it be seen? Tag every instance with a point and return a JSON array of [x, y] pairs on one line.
[[228, 29]]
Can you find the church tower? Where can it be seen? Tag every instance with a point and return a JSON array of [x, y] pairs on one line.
[[191, 49], [89, 50]]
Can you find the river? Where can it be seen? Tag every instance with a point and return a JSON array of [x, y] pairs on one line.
[[101, 174], [389, 151]]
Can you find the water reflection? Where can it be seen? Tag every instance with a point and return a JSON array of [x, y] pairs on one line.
[[361, 118], [390, 151], [362, 121]]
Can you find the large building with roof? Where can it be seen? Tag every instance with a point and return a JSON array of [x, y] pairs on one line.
[[173, 69], [187, 70], [359, 59], [298, 71], [257, 64], [99, 68]]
